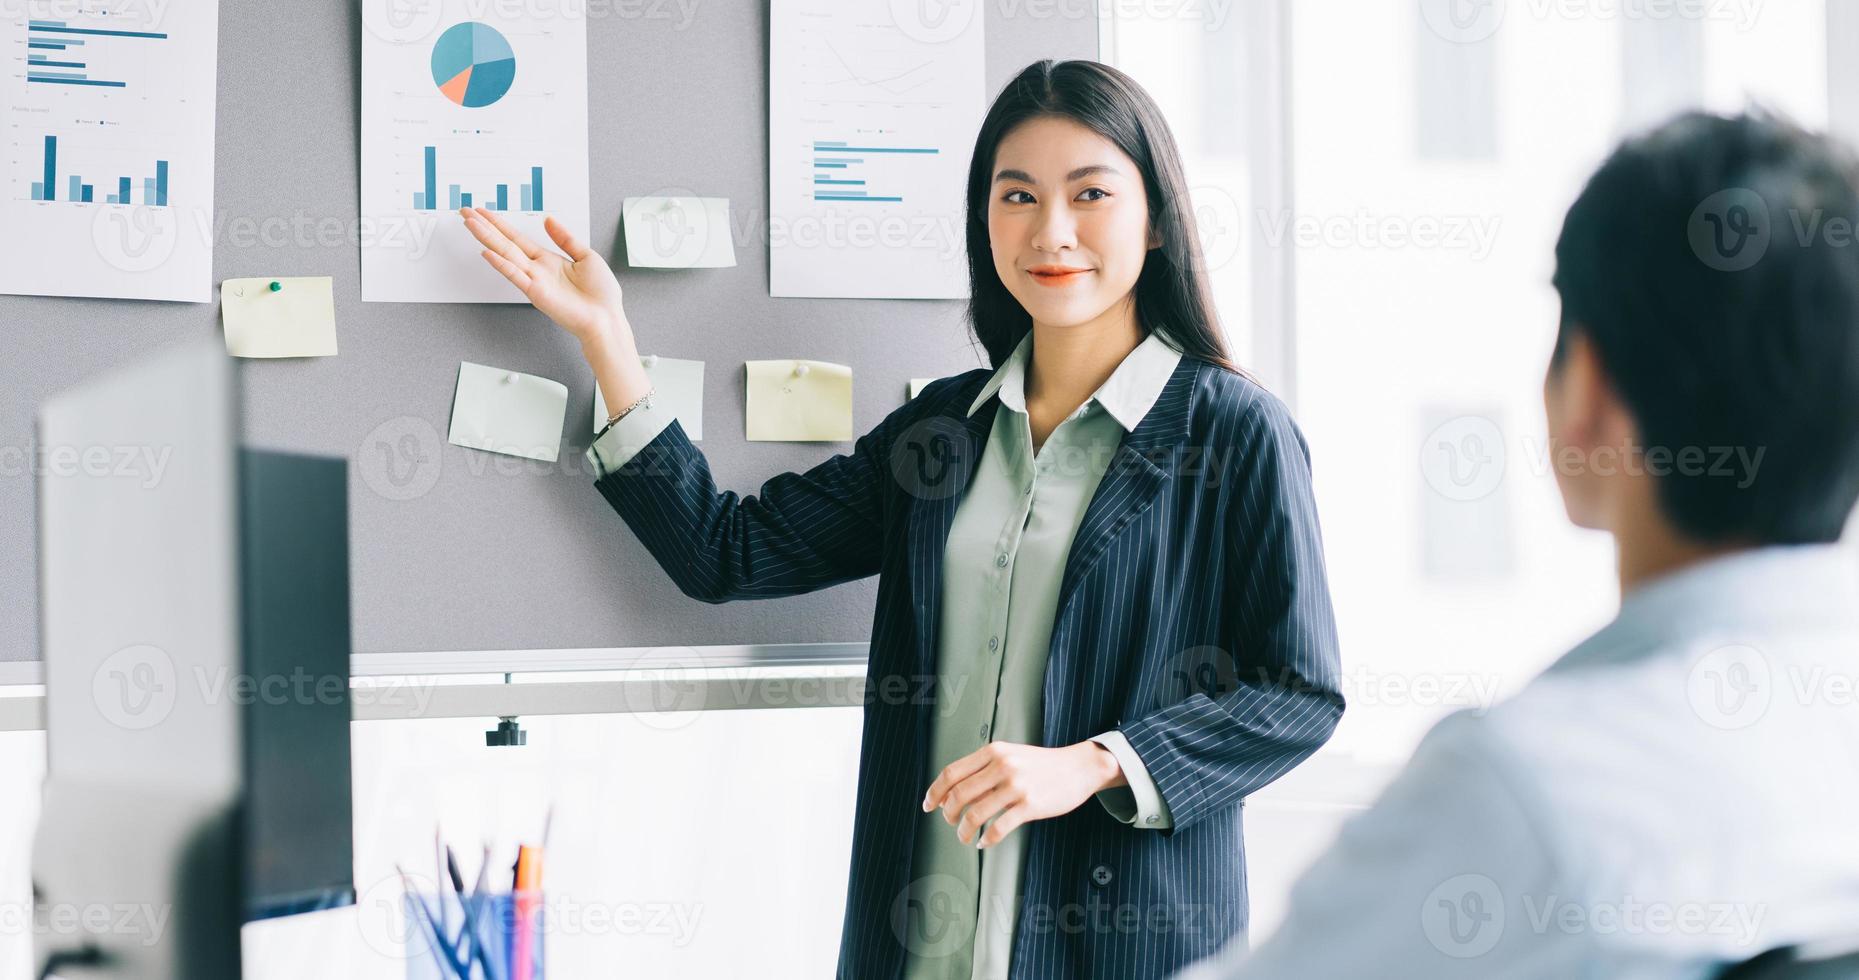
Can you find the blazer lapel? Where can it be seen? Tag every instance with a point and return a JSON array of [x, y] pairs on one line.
[[945, 451], [1144, 463]]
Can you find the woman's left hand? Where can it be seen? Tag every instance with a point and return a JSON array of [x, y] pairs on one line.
[[1028, 782]]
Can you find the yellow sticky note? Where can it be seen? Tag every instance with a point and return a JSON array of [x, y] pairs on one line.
[[678, 387], [916, 385], [799, 401], [298, 319], [508, 412]]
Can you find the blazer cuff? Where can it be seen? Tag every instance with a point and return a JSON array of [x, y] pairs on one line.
[[627, 436], [1139, 804]]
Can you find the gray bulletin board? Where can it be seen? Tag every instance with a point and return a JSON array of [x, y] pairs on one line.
[[453, 549]]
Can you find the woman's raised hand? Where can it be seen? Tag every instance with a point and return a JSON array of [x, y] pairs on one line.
[[578, 291]]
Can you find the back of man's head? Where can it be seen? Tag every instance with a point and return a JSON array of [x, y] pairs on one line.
[[1713, 265]]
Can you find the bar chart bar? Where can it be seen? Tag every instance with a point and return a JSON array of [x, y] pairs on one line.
[[58, 27], [535, 188], [503, 197], [432, 177], [51, 167], [161, 183], [824, 147], [62, 80]]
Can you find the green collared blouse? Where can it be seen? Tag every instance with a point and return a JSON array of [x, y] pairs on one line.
[[1002, 567], [1004, 559]]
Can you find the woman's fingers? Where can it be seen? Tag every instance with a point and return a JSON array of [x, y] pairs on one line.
[[564, 239], [969, 789], [517, 277], [1004, 824], [530, 248], [968, 831], [494, 240], [951, 774]]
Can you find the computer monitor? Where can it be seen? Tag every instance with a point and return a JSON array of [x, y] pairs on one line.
[[195, 632]]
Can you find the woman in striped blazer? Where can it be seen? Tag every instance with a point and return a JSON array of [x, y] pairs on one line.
[[1102, 616]]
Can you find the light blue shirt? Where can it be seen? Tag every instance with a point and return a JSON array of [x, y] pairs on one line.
[[1679, 792]]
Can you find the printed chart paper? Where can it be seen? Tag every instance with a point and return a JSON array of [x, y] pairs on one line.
[[467, 104], [108, 138], [872, 114]]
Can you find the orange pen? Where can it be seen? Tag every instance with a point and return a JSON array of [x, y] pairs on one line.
[[528, 898]]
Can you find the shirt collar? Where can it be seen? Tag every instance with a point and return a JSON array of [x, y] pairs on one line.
[[1761, 590], [1128, 394]]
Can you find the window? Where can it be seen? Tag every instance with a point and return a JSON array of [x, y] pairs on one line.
[[1403, 180]]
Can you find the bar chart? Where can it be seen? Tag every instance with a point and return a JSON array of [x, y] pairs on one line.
[[844, 178], [150, 189], [528, 196], [59, 52]]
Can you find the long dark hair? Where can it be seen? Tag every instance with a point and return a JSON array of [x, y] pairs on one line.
[[1172, 297]]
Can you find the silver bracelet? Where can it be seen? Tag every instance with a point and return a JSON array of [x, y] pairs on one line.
[[645, 399]]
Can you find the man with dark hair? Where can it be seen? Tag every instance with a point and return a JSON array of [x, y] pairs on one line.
[[1681, 791]]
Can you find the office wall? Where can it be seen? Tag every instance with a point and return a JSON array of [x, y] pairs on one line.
[[454, 549]]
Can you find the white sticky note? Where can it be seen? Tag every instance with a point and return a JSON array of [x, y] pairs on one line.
[[678, 387], [678, 233], [296, 320], [508, 412], [916, 385], [798, 401]]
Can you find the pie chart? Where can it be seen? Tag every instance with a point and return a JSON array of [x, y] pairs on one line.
[[473, 65]]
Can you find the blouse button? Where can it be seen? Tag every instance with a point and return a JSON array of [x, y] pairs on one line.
[[1000, 561]]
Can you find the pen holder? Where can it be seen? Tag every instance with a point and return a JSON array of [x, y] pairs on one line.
[[506, 927]]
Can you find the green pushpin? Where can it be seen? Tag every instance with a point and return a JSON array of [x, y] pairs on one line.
[[276, 285]]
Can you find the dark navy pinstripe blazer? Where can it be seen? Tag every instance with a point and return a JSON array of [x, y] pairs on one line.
[[1194, 616]]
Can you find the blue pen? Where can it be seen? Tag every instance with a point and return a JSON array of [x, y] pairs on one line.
[[467, 938], [493, 968], [442, 951]]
